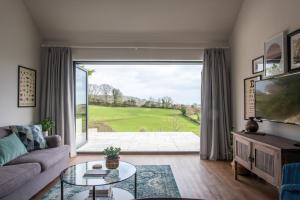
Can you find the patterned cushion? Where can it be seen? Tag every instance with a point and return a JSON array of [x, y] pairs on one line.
[[31, 136]]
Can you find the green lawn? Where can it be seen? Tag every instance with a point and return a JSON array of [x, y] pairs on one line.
[[194, 117], [137, 119]]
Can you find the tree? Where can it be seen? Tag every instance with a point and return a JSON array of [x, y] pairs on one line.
[[198, 117], [89, 71], [183, 110], [129, 102], [105, 90], [132, 102], [167, 102], [194, 106], [159, 104], [93, 92], [147, 104], [117, 96]]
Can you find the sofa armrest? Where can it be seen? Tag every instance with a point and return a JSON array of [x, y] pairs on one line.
[[290, 192], [291, 174], [53, 141], [291, 187]]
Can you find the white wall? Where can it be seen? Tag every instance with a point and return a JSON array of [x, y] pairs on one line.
[[19, 45], [259, 20]]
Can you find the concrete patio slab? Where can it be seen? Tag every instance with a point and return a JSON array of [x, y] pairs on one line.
[[136, 142]]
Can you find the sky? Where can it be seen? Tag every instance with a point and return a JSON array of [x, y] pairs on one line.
[[180, 82]]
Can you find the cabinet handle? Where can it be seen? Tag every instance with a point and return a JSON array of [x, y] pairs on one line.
[[251, 159]]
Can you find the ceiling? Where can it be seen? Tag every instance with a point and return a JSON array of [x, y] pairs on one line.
[[135, 22]]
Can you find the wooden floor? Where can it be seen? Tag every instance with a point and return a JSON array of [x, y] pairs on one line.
[[198, 179]]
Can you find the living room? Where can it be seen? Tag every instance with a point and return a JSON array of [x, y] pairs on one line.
[[249, 130]]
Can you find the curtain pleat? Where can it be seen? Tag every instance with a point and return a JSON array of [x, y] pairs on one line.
[[215, 106], [57, 92]]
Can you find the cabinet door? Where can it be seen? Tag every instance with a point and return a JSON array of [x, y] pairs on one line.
[[265, 163], [242, 151]]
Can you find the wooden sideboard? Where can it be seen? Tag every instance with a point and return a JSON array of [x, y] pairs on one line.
[[264, 155]]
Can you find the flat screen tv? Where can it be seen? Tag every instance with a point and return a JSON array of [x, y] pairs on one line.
[[278, 99]]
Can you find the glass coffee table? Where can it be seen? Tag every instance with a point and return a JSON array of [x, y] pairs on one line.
[[74, 176]]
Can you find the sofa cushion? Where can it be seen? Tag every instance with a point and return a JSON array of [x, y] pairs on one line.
[[10, 148], [31, 136], [46, 157], [14, 176], [4, 131]]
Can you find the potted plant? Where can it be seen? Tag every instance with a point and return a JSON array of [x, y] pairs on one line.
[[112, 157], [47, 125]]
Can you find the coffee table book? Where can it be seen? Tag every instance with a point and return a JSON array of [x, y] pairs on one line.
[[102, 191], [95, 173]]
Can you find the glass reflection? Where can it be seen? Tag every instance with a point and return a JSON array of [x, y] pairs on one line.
[[75, 174]]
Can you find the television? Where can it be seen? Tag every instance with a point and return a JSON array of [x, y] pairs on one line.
[[278, 99]]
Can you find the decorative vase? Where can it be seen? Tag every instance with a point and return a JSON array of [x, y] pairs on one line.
[[112, 163], [252, 125]]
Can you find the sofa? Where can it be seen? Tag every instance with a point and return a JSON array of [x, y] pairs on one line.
[[290, 186], [23, 177]]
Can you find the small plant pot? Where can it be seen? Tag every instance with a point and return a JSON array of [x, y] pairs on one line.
[[112, 163], [45, 133]]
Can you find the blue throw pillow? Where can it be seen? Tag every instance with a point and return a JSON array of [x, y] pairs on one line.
[[31, 136], [10, 148]]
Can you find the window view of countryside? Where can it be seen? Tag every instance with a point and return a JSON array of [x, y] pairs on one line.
[[144, 98]]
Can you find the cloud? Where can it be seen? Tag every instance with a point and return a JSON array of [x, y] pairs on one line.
[[181, 82]]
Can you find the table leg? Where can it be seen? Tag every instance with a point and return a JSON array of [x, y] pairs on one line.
[[235, 170], [61, 189], [135, 186], [94, 192]]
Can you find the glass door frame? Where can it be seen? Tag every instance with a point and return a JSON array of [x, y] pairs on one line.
[[75, 66]]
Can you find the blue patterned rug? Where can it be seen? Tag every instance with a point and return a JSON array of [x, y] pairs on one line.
[[153, 181]]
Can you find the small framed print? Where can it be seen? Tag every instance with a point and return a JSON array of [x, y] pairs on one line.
[[275, 55], [249, 96], [26, 87], [258, 65], [294, 50]]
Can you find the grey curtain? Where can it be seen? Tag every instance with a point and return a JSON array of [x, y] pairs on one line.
[[215, 106], [57, 92]]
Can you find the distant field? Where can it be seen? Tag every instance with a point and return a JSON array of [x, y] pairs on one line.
[[135, 119]]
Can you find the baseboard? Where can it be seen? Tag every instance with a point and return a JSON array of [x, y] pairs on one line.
[[144, 152]]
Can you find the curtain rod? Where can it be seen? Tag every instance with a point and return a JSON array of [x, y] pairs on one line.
[[132, 47]]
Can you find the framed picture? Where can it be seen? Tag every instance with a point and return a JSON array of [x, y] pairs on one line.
[[26, 87], [258, 65], [275, 55], [249, 96], [294, 50]]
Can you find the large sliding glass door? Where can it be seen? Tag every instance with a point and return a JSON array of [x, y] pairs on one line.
[[81, 103]]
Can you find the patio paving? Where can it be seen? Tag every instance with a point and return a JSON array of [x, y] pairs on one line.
[[142, 141]]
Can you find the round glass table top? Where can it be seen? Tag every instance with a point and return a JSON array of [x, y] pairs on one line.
[[74, 175]]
